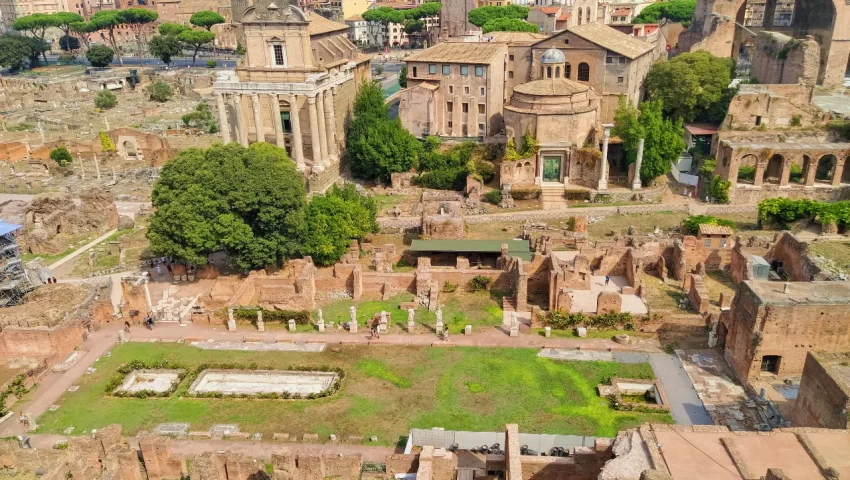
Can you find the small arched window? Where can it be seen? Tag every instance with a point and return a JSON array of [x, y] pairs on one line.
[[548, 72], [567, 71], [557, 72], [579, 15], [583, 72], [588, 14]]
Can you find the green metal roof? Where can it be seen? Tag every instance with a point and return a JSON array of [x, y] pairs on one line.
[[516, 248]]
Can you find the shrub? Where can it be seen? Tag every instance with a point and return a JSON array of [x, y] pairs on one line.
[[443, 179], [66, 58], [105, 99], [493, 196], [571, 224], [479, 283], [100, 55], [212, 63], [796, 120], [796, 174], [485, 169], [159, 92], [692, 223], [526, 192], [106, 143], [449, 287], [706, 168], [746, 172], [61, 155], [719, 189]]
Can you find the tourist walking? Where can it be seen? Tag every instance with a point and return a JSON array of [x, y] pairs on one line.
[[607, 279]]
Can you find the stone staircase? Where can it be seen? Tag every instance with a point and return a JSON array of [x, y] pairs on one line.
[[552, 196], [509, 304]]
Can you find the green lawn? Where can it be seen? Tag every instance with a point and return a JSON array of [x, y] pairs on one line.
[[386, 391], [479, 309]]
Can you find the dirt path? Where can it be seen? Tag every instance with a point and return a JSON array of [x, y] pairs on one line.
[[81, 250]]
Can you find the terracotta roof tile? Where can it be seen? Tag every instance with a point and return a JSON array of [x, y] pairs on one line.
[[706, 229], [612, 39], [460, 52]]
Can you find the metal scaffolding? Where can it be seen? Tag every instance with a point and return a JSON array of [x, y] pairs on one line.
[[14, 281]]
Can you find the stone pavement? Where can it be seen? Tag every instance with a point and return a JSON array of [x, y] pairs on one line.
[[685, 405], [725, 400]]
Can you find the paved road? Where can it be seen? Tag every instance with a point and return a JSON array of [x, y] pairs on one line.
[[685, 405]]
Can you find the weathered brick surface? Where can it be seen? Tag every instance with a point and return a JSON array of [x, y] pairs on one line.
[[824, 397]]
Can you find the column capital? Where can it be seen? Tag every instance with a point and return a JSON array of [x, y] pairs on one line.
[[311, 99], [237, 98]]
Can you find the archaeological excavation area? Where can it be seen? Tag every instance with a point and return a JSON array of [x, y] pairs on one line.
[[247, 382]]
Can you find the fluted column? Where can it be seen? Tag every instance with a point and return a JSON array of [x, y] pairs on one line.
[[222, 118], [314, 131], [258, 118], [276, 121], [240, 119], [330, 121], [636, 185], [297, 142], [323, 133]]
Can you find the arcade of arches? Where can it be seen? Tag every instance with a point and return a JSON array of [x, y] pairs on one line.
[[784, 164]]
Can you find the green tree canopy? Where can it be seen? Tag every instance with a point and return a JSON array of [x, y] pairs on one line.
[[427, 9], [206, 19], [165, 47], [159, 91], [692, 86], [105, 99], [508, 25], [384, 16], [249, 202], [84, 31], [68, 43], [63, 21], [481, 15], [37, 47], [173, 29], [100, 55], [674, 10], [14, 53], [663, 138], [334, 220], [413, 26], [37, 25], [136, 19], [402, 76], [378, 146], [61, 155], [108, 20], [196, 39]]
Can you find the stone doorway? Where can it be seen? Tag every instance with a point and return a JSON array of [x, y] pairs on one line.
[[552, 168]]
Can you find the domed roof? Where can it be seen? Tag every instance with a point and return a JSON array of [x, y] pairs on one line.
[[552, 56], [559, 87]]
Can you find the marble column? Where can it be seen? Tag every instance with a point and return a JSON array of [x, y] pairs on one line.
[[241, 124], [258, 118], [323, 133], [636, 185], [222, 119], [603, 169], [297, 142], [276, 120], [314, 131], [330, 121]]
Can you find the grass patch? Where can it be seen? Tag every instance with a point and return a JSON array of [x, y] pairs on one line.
[[460, 388], [47, 259], [837, 252], [372, 368]]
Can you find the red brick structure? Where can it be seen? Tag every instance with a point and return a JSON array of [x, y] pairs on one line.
[[824, 397], [769, 330]]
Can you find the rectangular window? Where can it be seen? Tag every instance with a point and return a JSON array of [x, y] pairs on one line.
[[622, 60], [447, 69], [464, 70], [609, 60], [722, 243], [479, 71], [620, 79], [465, 107], [432, 69], [482, 91], [466, 90], [511, 58], [770, 363], [510, 74], [451, 89], [758, 120], [449, 107], [278, 54], [566, 41], [286, 122], [480, 109], [482, 128], [707, 243], [414, 71], [450, 124]]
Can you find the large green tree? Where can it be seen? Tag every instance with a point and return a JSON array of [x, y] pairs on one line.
[[136, 19], [100, 55], [249, 202], [172, 29], [84, 31], [378, 146], [385, 16], [195, 39], [663, 138], [109, 20], [36, 24], [206, 19], [165, 47], [508, 25], [692, 86], [334, 220], [63, 21], [37, 46], [14, 52], [679, 11], [481, 15]]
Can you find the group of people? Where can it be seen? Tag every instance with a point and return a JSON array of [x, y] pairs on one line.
[[51, 280]]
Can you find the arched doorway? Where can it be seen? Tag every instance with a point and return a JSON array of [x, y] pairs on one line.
[[130, 148], [826, 169], [747, 169], [773, 170]]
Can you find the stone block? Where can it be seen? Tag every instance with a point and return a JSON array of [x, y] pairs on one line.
[[547, 332], [291, 324], [581, 332], [467, 330], [282, 437], [310, 437]]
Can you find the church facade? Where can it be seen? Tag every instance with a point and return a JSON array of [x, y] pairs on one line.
[[295, 87]]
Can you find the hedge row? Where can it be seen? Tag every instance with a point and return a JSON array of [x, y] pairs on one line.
[[301, 317]]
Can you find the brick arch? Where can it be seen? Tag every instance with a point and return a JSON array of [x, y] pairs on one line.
[[773, 169], [826, 167]]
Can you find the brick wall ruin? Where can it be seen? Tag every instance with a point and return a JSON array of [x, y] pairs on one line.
[[778, 58], [823, 400], [795, 258], [160, 463]]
